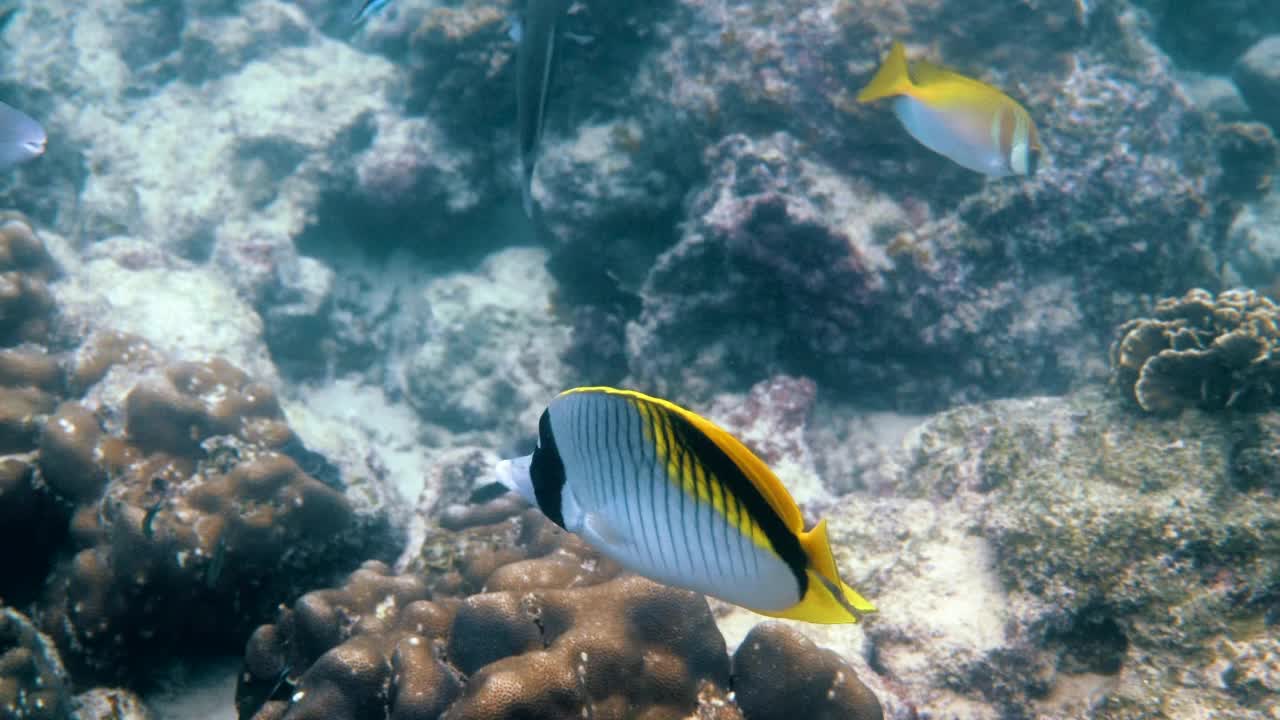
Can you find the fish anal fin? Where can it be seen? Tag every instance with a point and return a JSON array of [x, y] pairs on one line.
[[817, 545], [825, 603]]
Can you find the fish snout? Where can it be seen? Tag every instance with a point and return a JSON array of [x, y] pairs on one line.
[[36, 147]]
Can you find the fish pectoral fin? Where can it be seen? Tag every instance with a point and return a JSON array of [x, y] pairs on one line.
[[598, 528]]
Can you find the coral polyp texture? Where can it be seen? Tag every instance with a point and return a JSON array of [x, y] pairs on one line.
[[33, 683], [193, 505], [31, 381], [26, 268], [518, 619], [1202, 350]]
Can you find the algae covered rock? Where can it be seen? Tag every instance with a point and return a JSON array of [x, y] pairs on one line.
[[491, 356], [1257, 73], [1201, 351], [1064, 557]]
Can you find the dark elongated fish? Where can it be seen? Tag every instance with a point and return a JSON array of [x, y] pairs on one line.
[[367, 9], [21, 137], [669, 495], [535, 59]]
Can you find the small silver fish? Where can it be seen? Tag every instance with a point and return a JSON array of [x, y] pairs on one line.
[[21, 137], [368, 9], [537, 35]]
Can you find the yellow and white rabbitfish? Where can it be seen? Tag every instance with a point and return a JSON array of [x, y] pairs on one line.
[[964, 119], [669, 495]]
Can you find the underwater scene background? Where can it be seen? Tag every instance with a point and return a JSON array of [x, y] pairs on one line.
[[272, 311]]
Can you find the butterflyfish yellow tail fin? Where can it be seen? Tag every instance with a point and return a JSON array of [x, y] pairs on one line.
[[891, 79], [817, 546]]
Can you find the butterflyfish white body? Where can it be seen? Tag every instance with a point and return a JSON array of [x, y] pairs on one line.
[[669, 495], [966, 120]]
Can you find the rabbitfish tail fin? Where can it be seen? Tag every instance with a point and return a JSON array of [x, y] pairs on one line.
[[891, 79]]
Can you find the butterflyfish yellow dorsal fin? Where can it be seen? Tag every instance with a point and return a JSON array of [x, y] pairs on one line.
[[891, 79], [752, 467]]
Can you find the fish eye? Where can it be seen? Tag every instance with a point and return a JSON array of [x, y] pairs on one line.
[[1033, 160]]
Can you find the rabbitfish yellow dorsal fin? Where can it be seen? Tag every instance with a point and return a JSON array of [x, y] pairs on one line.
[[752, 467]]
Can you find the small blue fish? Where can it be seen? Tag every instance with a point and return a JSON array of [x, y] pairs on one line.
[[21, 137], [368, 9]]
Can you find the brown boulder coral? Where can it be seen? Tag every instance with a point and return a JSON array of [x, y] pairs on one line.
[[189, 505], [26, 306], [30, 518], [30, 381], [33, 683], [517, 619], [1201, 351], [766, 688]]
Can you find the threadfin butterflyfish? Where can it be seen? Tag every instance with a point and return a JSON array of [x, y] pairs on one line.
[[669, 495], [966, 120]]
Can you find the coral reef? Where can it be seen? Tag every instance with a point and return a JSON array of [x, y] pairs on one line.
[[519, 619], [722, 224], [845, 302], [33, 683], [1201, 351], [878, 261]]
